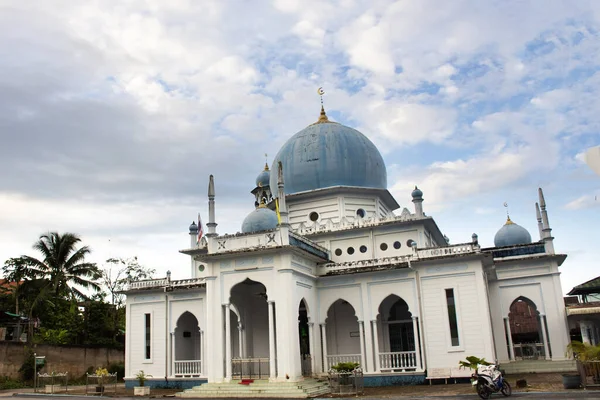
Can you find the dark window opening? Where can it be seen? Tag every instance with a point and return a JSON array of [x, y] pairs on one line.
[[383, 246], [363, 249], [338, 252], [147, 334], [452, 318], [313, 216], [397, 245], [351, 250]]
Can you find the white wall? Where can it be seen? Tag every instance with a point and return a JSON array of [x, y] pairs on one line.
[[475, 336]]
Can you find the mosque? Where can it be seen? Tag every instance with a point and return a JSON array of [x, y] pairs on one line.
[[328, 269]]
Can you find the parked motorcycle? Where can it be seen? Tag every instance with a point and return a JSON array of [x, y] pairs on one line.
[[488, 380]]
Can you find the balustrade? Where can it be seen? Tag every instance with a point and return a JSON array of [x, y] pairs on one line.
[[401, 360], [188, 367]]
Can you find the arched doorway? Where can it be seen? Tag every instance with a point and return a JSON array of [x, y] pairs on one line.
[[526, 330], [304, 336], [343, 336], [247, 342], [187, 347], [396, 337]]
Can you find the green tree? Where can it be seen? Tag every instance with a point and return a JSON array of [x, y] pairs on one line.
[[119, 272], [16, 270], [63, 266]]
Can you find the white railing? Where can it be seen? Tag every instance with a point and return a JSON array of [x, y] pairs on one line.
[[187, 282], [448, 250], [148, 284], [343, 358], [188, 367], [398, 360]]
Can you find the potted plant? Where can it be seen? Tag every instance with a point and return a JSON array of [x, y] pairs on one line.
[[141, 390], [588, 357], [344, 372], [101, 374], [472, 362]]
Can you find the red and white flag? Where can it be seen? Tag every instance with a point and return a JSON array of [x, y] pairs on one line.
[[200, 229]]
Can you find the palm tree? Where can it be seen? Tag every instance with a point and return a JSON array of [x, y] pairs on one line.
[[63, 266]]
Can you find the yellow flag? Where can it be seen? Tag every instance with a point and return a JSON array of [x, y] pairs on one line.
[[277, 210]]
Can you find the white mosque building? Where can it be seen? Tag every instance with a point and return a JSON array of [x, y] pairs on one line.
[[341, 274]]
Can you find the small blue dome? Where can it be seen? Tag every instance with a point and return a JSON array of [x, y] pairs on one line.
[[193, 228], [327, 154], [511, 234], [417, 193], [261, 219], [262, 179]]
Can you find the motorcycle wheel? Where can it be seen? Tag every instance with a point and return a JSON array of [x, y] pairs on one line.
[[506, 389], [483, 391]]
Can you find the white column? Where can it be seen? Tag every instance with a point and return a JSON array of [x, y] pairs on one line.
[[376, 345], [227, 342], [324, 336], [544, 336], [417, 345], [272, 371], [311, 345], [361, 334], [172, 354], [511, 346], [240, 330], [202, 357]]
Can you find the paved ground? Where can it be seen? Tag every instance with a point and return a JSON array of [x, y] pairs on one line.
[[526, 396]]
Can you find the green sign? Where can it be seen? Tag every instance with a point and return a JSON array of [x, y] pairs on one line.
[[40, 360]]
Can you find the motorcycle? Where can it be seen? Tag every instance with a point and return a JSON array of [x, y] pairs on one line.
[[488, 380]]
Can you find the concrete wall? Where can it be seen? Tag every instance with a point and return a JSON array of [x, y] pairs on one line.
[[74, 360]]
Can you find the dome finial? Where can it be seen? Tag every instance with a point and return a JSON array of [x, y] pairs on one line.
[[266, 163], [323, 116], [508, 220]]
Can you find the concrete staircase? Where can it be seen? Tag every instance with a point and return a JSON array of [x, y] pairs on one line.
[[260, 388], [538, 366]]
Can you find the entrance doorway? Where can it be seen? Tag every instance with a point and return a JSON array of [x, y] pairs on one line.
[[304, 336]]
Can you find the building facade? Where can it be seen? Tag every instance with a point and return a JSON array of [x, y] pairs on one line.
[[327, 269]]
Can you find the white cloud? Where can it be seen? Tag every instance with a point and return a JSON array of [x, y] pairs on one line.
[[584, 202]]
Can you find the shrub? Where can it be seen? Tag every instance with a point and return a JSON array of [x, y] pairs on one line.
[[119, 368], [27, 370], [472, 362], [7, 383], [345, 366]]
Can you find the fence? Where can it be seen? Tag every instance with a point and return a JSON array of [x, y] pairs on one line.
[[346, 382], [101, 383], [54, 382], [589, 372], [250, 368]]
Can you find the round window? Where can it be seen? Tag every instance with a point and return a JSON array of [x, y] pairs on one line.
[[350, 250], [363, 249], [397, 245], [313, 216], [201, 267], [338, 252], [409, 242], [383, 246], [361, 213]]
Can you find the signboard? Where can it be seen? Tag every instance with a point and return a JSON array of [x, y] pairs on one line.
[[40, 360]]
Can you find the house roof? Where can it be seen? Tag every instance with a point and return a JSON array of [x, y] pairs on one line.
[[589, 287]]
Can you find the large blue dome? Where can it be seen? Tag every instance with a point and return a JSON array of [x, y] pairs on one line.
[[327, 154], [511, 234], [261, 219]]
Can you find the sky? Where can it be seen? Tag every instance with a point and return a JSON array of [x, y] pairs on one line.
[[114, 113]]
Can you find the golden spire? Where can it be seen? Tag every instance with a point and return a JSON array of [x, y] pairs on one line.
[[508, 220], [323, 116], [266, 163], [262, 203]]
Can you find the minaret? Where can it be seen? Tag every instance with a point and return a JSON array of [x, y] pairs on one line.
[[546, 230], [538, 215], [212, 225], [281, 196], [193, 235], [417, 196]]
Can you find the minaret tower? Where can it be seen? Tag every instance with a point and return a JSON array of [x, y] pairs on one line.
[[262, 191], [417, 199], [212, 225], [546, 230], [281, 199]]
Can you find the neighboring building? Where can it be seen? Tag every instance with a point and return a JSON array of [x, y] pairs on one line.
[[584, 317], [337, 276]]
